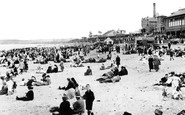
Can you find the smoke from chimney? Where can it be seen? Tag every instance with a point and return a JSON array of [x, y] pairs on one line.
[[154, 10]]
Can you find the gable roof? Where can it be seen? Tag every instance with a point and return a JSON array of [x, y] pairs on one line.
[[179, 12]]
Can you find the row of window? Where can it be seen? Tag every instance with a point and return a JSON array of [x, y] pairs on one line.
[[176, 22]]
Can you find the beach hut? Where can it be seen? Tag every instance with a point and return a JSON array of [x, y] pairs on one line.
[[108, 41]]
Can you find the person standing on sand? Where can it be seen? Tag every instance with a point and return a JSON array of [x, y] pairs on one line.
[[89, 98], [171, 54], [62, 66], [150, 62], [169, 45], [156, 62], [117, 61]]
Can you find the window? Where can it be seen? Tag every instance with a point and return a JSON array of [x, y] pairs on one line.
[[183, 22], [175, 23]]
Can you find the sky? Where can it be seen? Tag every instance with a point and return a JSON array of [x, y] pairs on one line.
[[61, 19]]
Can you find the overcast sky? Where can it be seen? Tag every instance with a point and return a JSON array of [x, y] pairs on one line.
[[58, 19]]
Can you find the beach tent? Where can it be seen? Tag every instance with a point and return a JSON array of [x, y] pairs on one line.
[[108, 41]]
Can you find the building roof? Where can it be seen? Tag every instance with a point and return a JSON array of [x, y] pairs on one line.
[[179, 12], [150, 19], [109, 32]]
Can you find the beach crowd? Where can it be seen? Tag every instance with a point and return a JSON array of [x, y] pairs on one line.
[[17, 62]]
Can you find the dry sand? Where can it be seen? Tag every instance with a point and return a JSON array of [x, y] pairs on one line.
[[134, 93]]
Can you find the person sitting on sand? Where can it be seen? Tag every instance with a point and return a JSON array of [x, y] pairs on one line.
[[102, 67], [30, 81], [176, 81], [74, 82], [111, 80], [55, 69], [177, 94], [45, 81], [29, 95], [164, 93], [116, 71], [64, 108], [70, 85], [123, 71], [111, 66], [49, 70], [78, 106], [158, 112], [4, 89], [88, 72], [109, 74], [101, 60], [109, 77], [164, 79]]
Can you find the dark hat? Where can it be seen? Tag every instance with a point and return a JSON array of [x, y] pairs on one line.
[[122, 66]]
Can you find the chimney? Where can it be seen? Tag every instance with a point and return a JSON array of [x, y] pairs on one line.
[[154, 11]]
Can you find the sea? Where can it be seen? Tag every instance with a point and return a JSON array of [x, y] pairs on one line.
[[14, 46]]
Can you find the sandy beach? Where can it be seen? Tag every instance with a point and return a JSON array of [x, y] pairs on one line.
[[134, 93]]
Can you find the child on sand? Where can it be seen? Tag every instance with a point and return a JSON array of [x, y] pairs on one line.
[[89, 98], [164, 94]]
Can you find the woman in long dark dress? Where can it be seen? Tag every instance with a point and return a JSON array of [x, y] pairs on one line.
[[150, 62], [118, 61]]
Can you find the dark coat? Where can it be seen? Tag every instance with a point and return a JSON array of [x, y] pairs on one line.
[[89, 98], [65, 108], [30, 95], [88, 72], [118, 60], [116, 72], [123, 72], [150, 62], [70, 85]]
